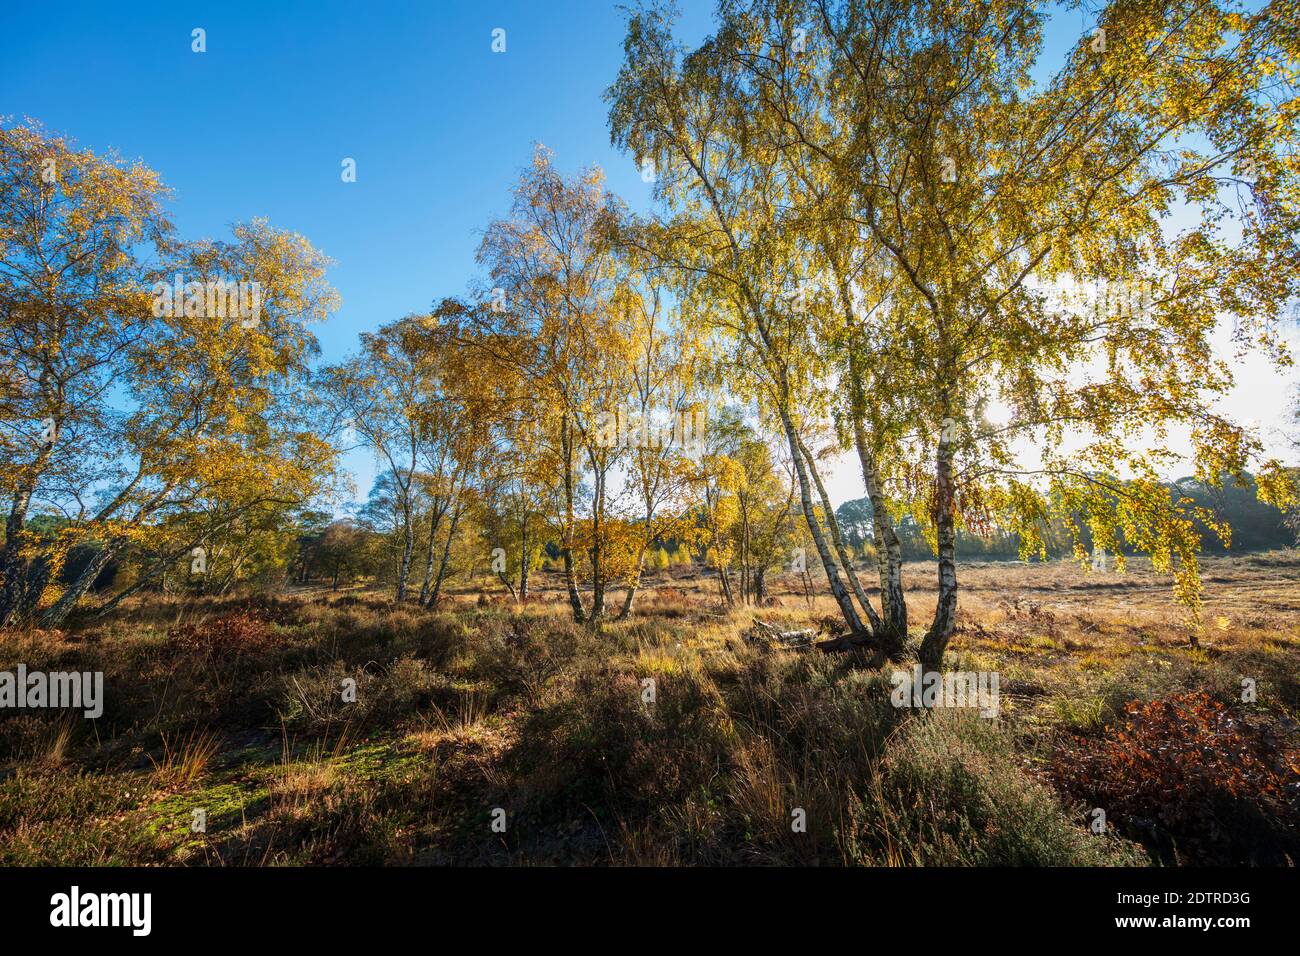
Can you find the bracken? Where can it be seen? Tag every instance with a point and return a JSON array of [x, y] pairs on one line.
[[1191, 779]]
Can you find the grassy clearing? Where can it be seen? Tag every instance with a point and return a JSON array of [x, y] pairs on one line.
[[743, 756]]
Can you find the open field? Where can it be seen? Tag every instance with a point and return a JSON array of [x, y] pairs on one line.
[[235, 708]]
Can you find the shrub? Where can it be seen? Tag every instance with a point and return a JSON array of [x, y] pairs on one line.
[[232, 635], [520, 655], [604, 751], [1193, 781], [949, 793], [311, 699]]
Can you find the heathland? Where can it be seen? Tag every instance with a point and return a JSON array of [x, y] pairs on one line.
[[489, 732]]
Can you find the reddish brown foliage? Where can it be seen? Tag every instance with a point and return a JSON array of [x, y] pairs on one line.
[[1193, 781], [230, 635], [266, 608]]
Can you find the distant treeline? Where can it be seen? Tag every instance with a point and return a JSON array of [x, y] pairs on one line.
[[1256, 526], [315, 547]]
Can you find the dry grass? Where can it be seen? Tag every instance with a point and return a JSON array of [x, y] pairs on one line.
[[185, 759], [484, 704]]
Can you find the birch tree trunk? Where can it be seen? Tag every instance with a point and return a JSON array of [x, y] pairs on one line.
[[833, 524], [838, 591], [34, 581], [523, 562], [11, 564], [889, 550], [446, 553], [434, 521], [630, 595], [404, 565], [945, 612], [58, 612], [635, 583], [597, 555], [570, 572], [724, 580]]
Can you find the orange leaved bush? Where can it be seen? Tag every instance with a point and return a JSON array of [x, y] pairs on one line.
[[1193, 781], [231, 635]]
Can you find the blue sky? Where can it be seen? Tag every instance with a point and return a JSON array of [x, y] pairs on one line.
[[438, 124]]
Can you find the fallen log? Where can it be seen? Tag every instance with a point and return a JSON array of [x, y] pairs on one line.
[[851, 643], [844, 642], [768, 634]]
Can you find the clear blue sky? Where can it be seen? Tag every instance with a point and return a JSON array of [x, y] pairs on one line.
[[438, 124]]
